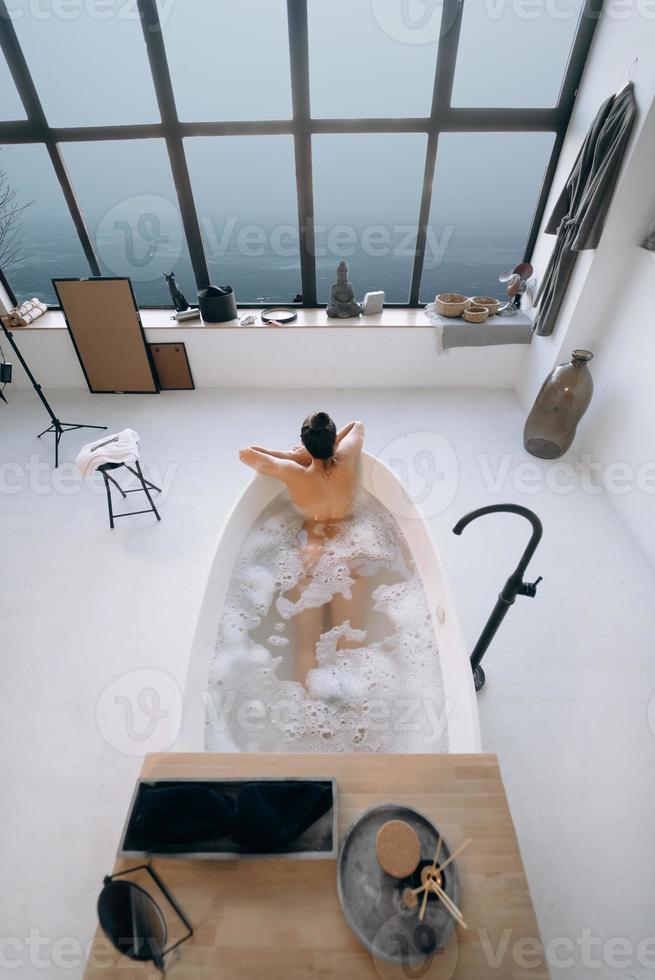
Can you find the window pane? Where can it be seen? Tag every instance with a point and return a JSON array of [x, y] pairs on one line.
[[126, 193], [510, 55], [228, 60], [372, 59], [88, 61], [49, 245], [11, 106], [367, 190], [245, 193], [485, 192]]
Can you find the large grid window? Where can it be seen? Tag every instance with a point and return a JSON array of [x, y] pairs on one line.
[[258, 142]]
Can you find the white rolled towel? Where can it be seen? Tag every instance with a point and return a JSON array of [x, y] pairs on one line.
[[121, 447], [26, 313]]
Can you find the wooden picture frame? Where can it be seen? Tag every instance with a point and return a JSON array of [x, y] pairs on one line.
[[172, 367], [105, 328]]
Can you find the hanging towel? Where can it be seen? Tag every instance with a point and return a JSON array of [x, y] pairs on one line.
[[580, 211], [121, 447]]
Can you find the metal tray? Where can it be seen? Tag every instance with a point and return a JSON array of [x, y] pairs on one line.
[[372, 900]]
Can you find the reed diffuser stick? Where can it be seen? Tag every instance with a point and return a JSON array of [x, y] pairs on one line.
[[455, 854]]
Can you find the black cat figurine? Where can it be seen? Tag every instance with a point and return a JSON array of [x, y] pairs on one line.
[[179, 300]]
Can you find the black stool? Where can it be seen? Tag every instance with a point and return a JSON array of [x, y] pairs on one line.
[[146, 487]]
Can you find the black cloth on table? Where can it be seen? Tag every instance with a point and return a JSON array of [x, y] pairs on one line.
[[171, 816], [271, 815], [267, 815]]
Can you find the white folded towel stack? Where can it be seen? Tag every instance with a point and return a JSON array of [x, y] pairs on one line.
[[121, 447]]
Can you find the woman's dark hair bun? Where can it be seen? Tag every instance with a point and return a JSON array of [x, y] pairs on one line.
[[318, 435]]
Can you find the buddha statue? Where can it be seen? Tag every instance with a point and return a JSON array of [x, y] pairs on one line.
[[342, 296]]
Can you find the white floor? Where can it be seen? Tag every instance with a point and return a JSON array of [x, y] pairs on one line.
[[570, 676]]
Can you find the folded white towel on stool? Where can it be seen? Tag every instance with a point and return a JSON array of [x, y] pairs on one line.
[[121, 447]]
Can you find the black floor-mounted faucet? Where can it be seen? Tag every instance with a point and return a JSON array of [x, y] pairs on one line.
[[513, 586]]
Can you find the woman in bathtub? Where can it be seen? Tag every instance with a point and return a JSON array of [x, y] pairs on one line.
[[321, 474], [321, 477]]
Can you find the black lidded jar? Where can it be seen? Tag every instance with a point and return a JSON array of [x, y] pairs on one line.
[[217, 304]]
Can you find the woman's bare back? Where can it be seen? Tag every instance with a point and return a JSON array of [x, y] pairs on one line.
[[321, 490], [324, 493]]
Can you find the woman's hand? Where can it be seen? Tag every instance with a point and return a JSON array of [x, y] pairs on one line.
[[300, 455]]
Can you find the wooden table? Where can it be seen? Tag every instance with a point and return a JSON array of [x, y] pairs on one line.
[[281, 919]]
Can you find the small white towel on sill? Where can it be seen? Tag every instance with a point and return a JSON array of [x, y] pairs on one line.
[[121, 447]]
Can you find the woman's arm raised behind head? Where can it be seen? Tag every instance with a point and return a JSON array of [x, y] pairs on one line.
[[351, 439], [264, 462], [298, 454]]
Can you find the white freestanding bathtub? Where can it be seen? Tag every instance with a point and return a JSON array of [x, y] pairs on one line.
[[381, 482]]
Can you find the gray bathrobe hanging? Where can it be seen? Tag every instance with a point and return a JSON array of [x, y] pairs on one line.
[[579, 214]]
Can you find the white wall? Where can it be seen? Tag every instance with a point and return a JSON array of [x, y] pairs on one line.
[[327, 357], [609, 304]]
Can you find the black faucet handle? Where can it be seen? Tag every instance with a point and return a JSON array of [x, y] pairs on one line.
[[529, 588]]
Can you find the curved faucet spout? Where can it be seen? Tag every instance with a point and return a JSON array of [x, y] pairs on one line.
[[537, 529], [513, 586]]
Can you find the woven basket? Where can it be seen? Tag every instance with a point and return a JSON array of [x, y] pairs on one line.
[[491, 303], [451, 304], [475, 313]]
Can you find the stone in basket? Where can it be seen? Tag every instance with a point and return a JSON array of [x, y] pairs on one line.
[[451, 304]]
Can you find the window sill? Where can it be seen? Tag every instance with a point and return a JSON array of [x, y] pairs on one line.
[[162, 320], [462, 333], [310, 354]]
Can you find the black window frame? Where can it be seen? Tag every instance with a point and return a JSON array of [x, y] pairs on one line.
[[443, 118]]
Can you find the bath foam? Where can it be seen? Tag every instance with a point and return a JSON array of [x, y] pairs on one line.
[[382, 692]]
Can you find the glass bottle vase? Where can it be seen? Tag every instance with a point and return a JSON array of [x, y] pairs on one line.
[[562, 401]]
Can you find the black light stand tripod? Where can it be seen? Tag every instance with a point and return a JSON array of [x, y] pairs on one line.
[[57, 427]]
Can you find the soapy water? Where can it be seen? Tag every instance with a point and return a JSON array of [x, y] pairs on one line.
[[345, 598]]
